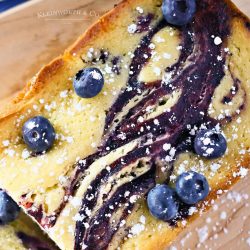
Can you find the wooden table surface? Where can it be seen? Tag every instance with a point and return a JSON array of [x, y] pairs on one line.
[[34, 33]]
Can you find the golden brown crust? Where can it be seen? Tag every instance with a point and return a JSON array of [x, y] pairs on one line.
[[39, 81]]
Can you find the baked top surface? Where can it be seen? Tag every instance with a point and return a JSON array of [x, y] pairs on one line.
[[51, 84]]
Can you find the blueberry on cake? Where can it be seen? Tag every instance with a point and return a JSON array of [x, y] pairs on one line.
[[145, 117]]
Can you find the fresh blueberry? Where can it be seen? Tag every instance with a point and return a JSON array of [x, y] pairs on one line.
[[178, 12], [88, 82], [162, 202], [9, 210], [38, 134], [192, 187], [210, 144]]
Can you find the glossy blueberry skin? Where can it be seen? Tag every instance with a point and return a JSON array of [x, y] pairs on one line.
[[210, 144], [88, 82], [162, 202], [38, 134], [178, 12], [9, 210], [191, 187]]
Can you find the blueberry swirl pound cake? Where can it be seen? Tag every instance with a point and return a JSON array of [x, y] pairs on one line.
[[127, 137], [17, 231]]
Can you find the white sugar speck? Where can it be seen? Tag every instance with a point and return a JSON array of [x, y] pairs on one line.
[[248, 241], [143, 219], [139, 9], [202, 233], [223, 215], [77, 217], [132, 28], [133, 199], [64, 94], [215, 166], [122, 223], [96, 75], [192, 210], [217, 40], [167, 55], [166, 146], [137, 229], [25, 154], [75, 202], [10, 152], [173, 248], [6, 143], [71, 229], [241, 173], [84, 246]]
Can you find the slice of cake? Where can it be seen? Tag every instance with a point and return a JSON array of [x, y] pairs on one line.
[[22, 234], [143, 118], [17, 231]]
